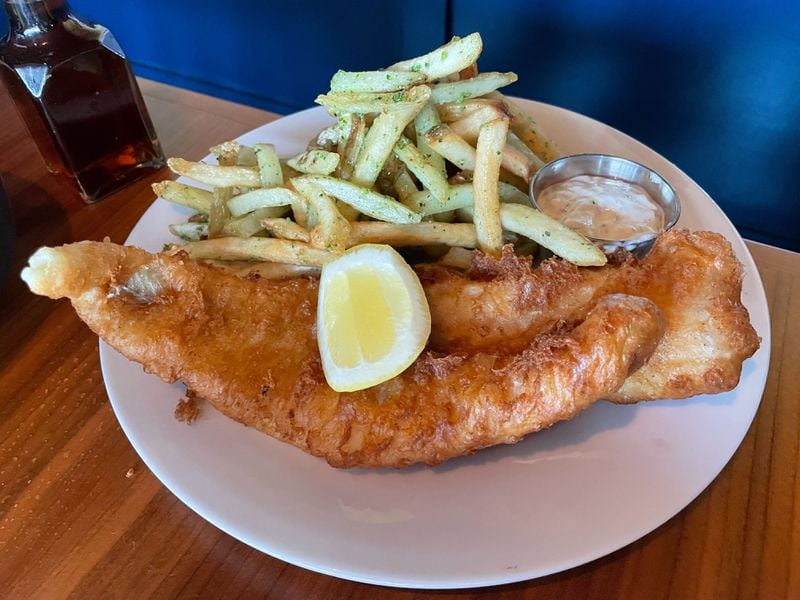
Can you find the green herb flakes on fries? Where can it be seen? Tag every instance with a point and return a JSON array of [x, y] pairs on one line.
[[424, 153]]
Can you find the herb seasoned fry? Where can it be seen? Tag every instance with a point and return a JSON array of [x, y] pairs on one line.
[[458, 91], [559, 239], [382, 137], [261, 198], [269, 166], [429, 176], [286, 229], [185, 195], [419, 234], [374, 81], [216, 175], [315, 161], [457, 54], [459, 195], [491, 140], [377, 170], [258, 249], [367, 201]]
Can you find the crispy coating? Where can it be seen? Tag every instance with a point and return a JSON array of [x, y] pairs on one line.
[[249, 348], [694, 278]]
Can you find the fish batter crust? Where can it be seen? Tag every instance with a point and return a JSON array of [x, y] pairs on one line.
[[249, 347], [693, 277]]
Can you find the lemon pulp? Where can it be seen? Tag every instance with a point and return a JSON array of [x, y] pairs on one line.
[[373, 318]]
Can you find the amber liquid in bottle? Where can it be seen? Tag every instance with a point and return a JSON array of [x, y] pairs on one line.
[[75, 91]]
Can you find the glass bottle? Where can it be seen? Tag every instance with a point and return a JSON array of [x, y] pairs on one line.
[[74, 89]]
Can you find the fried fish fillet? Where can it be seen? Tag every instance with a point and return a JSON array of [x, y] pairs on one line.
[[249, 347], [693, 277]]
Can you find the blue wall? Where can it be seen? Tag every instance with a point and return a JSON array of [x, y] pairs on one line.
[[712, 85], [274, 55]]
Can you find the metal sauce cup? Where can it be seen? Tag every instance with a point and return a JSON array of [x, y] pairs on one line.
[[613, 167]]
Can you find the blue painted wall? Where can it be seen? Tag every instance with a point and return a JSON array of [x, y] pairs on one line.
[[712, 85], [274, 55]]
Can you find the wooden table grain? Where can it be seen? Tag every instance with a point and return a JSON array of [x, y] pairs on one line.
[[81, 516]]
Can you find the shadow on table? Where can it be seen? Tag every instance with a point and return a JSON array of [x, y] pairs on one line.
[[35, 218]]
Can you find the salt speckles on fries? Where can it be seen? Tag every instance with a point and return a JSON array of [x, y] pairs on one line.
[[424, 153]]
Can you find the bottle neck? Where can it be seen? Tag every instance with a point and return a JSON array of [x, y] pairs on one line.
[[27, 15]]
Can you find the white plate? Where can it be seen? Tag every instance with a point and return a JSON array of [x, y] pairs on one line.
[[558, 499]]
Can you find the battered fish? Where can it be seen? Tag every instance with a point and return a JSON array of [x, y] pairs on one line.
[[249, 347], [694, 278]]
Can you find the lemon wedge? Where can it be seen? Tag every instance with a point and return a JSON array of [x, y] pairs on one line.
[[373, 318]]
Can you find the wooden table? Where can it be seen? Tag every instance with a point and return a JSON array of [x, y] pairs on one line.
[[81, 515]]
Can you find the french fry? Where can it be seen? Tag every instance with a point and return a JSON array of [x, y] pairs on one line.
[[559, 239], [246, 157], [515, 160], [383, 135], [189, 231], [226, 153], [459, 196], [529, 130], [349, 150], [394, 130], [367, 201], [258, 249], [453, 111], [373, 81], [429, 176], [404, 186], [269, 166], [301, 210], [332, 230], [286, 229], [347, 211], [469, 125], [419, 234], [451, 146], [261, 198], [329, 138], [315, 161], [216, 175], [458, 91], [457, 258], [185, 195], [517, 163], [233, 153], [514, 141], [457, 54], [366, 103], [485, 182], [458, 151], [218, 215], [263, 270], [427, 119], [250, 224], [444, 217]]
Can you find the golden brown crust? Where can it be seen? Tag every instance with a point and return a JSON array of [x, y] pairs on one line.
[[694, 277], [515, 349], [249, 348]]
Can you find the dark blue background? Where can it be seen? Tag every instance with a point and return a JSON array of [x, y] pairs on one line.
[[714, 86]]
